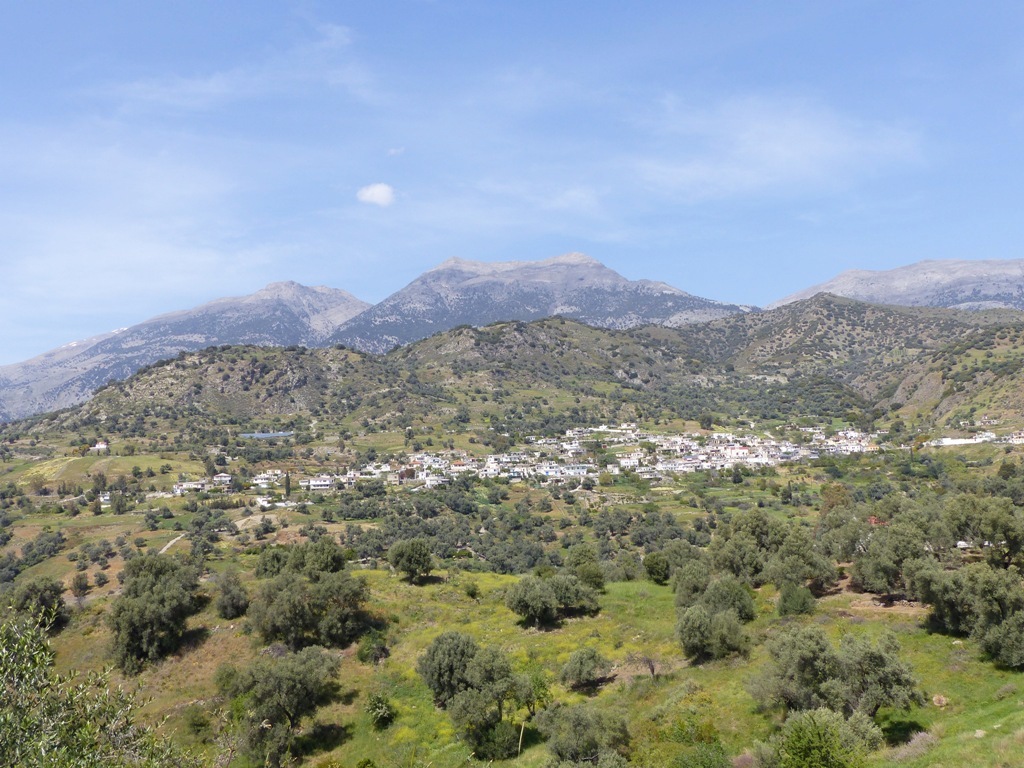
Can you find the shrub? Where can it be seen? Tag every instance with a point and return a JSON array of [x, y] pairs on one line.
[[273, 695], [727, 593], [710, 636], [380, 709], [373, 647], [94, 722], [41, 598], [533, 599], [795, 600], [823, 738], [581, 734], [585, 669], [657, 567], [148, 620], [572, 595], [233, 600], [807, 672], [689, 582], [290, 610]]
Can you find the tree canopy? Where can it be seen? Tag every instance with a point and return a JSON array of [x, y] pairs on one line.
[[148, 620]]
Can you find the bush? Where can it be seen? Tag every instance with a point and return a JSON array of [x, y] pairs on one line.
[[693, 629], [1005, 642], [585, 669], [273, 695], [822, 738], [373, 647], [807, 672], [290, 610], [80, 584], [45, 716], [727, 593], [582, 561], [572, 595], [533, 599], [581, 734], [657, 567], [233, 600], [795, 600], [42, 599], [282, 610], [710, 636], [500, 742], [689, 582], [411, 557], [380, 709]]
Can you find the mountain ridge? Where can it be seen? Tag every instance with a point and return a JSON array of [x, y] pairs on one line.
[[280, 314], [826, 357], [462, 292], [953, 283]]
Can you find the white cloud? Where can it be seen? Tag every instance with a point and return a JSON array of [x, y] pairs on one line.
[[377, 194]]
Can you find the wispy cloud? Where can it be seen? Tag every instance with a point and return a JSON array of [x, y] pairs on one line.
[[759, 145], [324, 62]]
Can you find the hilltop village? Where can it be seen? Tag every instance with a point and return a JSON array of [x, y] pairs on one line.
[[624, 448]]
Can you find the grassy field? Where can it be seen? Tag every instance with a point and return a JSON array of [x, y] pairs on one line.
[[974, 713]]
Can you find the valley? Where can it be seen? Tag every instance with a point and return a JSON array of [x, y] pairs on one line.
[[629, 526]]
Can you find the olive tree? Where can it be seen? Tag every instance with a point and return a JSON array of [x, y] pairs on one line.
[[148, 620], [444, 665], [272, 697], [411, 557], [807, 672], [42, 599], [291, 610], [533, 599], [233, 600], [586, 668]]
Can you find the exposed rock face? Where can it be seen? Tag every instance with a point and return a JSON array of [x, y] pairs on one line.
[[281, 314], [958, 284], [474, 293]]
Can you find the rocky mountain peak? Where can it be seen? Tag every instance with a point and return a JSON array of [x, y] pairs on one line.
[[461, 292], [281, 314]]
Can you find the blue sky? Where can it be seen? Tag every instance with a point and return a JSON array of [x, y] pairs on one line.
[[158, 155]]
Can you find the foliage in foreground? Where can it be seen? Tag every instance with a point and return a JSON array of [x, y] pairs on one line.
[[54, 720]]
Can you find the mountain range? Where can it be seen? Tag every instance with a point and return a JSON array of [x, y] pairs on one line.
[[827, 358], [460, 292], [958, 284]]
